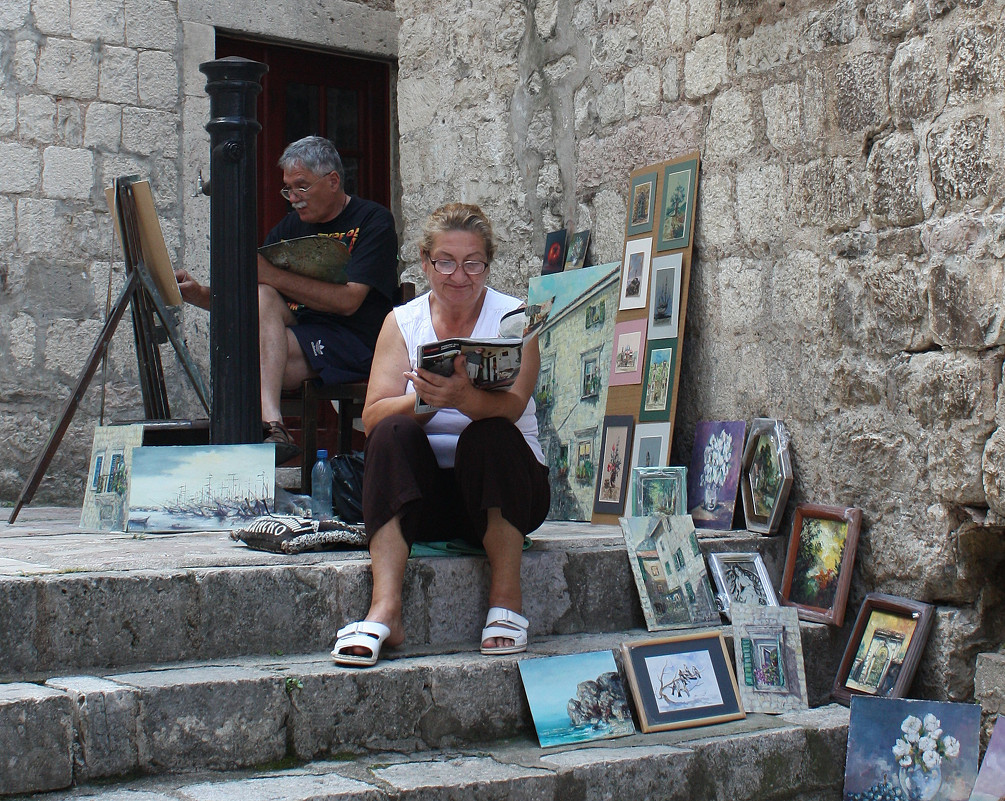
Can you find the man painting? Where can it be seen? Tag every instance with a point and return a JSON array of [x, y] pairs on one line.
[[310, 328]]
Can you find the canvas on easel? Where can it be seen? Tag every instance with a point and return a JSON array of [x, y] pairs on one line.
[[152, 323]]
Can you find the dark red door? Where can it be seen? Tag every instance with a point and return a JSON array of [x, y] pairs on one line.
[[306, 92]]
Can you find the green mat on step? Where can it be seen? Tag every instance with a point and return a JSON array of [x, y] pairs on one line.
[[453, 548]]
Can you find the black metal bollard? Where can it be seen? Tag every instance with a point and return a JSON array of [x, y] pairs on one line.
[[236, 412]]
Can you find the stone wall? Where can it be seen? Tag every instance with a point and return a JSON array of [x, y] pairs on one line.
[[91, 90], [848, 270]]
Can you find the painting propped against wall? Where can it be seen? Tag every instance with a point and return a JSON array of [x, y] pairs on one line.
[[911, 749], [714, 477], [200, 487], [107, 488], [571, 392]]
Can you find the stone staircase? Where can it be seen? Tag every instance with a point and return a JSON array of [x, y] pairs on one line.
[[189, 667]]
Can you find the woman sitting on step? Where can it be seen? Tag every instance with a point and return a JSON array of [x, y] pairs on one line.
[[473, 469]]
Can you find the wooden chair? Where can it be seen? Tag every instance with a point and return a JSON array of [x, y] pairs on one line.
[[306, 403]]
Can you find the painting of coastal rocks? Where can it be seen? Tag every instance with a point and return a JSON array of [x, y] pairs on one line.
[[576, 697], [200, 487]]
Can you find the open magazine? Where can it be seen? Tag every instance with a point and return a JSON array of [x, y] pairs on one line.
[[492, 362]]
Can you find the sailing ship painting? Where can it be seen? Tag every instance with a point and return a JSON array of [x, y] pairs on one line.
[[200, 488]]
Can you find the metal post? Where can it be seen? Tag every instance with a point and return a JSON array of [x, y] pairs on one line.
[[233, 86]]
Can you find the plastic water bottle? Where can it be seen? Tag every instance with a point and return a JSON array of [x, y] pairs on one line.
[[321, 487]]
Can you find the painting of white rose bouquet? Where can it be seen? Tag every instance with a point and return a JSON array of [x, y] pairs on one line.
[[902, 749], [923, 745], [715, 472]]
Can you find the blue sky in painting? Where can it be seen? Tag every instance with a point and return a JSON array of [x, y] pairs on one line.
[[566, 287]]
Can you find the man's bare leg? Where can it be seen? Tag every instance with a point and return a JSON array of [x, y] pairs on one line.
[[283, 364]]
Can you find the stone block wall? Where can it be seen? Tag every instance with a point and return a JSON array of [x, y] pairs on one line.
[[91, 90], [848, 271]]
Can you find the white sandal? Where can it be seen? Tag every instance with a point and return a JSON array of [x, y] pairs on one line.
[[363, 634], [506, 624]]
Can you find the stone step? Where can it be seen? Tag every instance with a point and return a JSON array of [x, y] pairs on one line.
[[763, 758], [72, 602], [237, 713]]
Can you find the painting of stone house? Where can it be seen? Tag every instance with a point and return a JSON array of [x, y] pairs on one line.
[[571, 391]]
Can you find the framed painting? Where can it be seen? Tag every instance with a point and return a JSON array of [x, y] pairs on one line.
[[642, 204], [769, 659], [628, 353], [657, 382], [612, 480], [819, 561], [554, 253], [990, 784], [884, 648], [679, 182], [664, 296], [635, 274], [576, 697], [669, 572], [575, 253], [911, 750], [658, 491], [741, 578], [714, 476], [651, 445], [765, 475], [682, 681]]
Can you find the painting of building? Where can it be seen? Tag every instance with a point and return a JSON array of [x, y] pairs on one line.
[[571, 391]]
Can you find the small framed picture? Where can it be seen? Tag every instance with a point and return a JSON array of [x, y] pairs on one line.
[[651, 446], [635, 274], [819, 561], [714, 477], [612, 483], [741, 578], [554, 253], [765, 475], [642, 204], [884, 648], [628, 353], [682, 681], [769, 658], [575, 253], [679, 183], [657, 382], [664, 296], [659, 491]]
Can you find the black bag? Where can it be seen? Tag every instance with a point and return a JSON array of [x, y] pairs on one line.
[[347, 489]]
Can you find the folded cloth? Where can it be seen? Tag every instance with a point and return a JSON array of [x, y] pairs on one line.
[[294, 534]]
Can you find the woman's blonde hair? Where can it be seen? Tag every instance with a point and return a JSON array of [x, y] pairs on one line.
[[458, 217]]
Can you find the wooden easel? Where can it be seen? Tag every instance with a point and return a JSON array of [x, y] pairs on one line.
[[147, 304]]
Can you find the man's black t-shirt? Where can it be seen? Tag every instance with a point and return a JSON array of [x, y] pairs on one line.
[[367, 229]]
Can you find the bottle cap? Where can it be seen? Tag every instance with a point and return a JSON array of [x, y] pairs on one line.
[[322, 453]]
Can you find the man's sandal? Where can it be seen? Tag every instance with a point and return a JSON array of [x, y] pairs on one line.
[[506, 624], [366, 634]]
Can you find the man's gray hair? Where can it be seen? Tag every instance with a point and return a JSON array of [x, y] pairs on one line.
[[313, 153]]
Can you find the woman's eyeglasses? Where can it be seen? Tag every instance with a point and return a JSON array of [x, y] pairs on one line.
[[448, 266]]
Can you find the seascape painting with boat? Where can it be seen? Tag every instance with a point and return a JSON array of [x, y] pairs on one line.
[[201, 487]]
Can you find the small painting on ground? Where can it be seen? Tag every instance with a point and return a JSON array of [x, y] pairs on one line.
[[911, 750], [576, 697], [107, 488], [682, 681], [669, 571], [769, 658], [715, 472], [200, 487]]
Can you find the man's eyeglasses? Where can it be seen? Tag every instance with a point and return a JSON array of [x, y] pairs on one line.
[[288, 192], [448, 266]]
